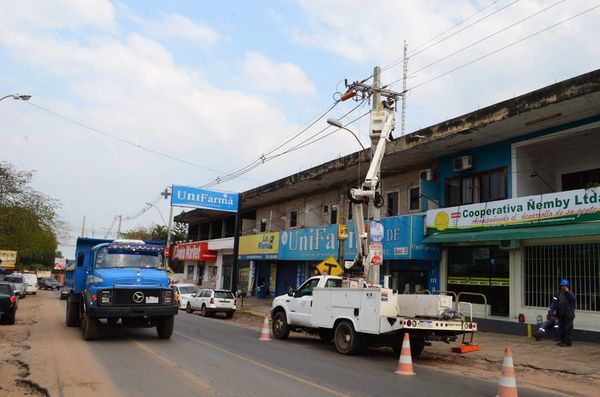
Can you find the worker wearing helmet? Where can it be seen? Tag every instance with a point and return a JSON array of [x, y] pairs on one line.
[[565, 310]]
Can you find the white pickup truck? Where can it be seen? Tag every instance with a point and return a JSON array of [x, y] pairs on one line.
[[356, 316]]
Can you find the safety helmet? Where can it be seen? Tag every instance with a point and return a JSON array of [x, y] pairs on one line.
[[564, 283]]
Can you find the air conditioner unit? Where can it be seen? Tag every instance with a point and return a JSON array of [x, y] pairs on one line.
[[428, 174], [462, 163], [508, 244]]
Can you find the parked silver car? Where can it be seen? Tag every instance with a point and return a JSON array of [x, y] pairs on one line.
[[18, 283]]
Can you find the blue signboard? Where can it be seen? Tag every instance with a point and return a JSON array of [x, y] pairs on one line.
[[402, 239], [185, 196]]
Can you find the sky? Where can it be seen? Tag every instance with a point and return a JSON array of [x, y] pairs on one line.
[[129, 97]]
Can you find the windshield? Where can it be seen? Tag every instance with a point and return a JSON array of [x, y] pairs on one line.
[[51, 281], [188, 290], [14, 279], [106, 258], [5, 289]]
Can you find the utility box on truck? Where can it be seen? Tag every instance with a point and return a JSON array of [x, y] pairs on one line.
[[119, 282], [421, 305]]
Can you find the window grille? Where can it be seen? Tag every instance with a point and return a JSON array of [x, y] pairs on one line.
[[545, 265]]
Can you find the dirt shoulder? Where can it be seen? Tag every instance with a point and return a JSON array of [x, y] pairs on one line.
[[43, 357]]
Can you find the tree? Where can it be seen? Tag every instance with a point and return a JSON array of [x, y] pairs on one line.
[[157, 233], [28, 219]]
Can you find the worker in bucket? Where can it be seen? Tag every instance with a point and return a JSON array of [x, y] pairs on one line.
[[565, 308], [551, 323]]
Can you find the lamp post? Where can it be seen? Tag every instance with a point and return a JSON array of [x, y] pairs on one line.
[[17, 97], [337, 123], [159, 212]]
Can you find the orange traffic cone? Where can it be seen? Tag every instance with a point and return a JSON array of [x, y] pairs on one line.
[[405, 366], [507, 386], [265, 334]]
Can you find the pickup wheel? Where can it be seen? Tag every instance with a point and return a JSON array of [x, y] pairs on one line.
[[280, 327], [72, 315], [89, 327], [164, 327], [347, 340], [188, 308]]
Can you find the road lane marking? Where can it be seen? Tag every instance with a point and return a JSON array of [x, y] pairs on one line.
[[265, 366], [188, 375]]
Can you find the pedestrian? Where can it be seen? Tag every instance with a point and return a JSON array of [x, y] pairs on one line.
[[565, 309]]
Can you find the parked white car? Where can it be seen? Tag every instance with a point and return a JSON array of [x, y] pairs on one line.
[[211, 301], [185, 292], [31, 283]]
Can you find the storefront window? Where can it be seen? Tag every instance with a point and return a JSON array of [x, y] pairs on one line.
[[476, 188], [483, 270]]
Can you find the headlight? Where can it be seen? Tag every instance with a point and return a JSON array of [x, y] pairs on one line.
[[167, 296], [94, 280], [106, 296]]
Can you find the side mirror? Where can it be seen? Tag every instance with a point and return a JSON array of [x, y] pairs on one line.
[[291, 291]]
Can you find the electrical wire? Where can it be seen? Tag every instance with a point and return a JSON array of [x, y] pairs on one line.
[[414, 54], [497, 50], [488, 36]]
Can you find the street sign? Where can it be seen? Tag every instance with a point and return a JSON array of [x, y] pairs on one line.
[[186, 196], [342, 232], [330, 266]]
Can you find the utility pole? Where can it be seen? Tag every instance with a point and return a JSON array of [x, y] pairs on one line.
[[166, 194], [83, 227], [119, 227], [373, 192], [404, 78]]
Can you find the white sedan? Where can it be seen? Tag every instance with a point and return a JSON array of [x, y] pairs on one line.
[[211, 301], [185, 292]]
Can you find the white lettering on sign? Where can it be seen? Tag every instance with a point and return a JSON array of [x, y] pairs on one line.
[[204, 198]]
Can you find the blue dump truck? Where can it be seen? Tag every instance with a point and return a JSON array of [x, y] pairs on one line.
[[121, 280]]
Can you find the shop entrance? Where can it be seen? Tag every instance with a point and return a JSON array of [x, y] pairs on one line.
[[481, 269]]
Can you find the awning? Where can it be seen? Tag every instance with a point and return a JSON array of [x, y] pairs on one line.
[[522, 233]]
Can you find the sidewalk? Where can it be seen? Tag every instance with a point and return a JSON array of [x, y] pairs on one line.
[[256, 306]]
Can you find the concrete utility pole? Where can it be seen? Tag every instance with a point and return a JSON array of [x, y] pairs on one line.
[[404, 78], [83, 227], [371, 188], [119, 227]]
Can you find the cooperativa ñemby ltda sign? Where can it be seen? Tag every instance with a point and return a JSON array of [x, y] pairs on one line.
[[186, 196]]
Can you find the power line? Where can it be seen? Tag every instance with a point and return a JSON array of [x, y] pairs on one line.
[[400, 60], [116, 138], [497, 50], [489, 36]]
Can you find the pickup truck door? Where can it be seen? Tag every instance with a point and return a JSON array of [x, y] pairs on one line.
[[301, 303]]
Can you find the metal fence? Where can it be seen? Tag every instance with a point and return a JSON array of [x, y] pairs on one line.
[[545, 265]]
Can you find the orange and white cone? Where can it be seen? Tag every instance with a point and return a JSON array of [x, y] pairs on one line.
[[265, 334], [405, 366], [507, 386]]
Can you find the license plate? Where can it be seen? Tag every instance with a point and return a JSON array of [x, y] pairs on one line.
[[152, 299], [224, 301], [426, 324]]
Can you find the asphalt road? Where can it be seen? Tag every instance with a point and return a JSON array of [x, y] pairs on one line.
[[208, 357]]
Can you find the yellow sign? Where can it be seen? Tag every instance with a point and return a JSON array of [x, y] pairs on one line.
[[342, 232], [259, 246], [330, 266], [8, 258]]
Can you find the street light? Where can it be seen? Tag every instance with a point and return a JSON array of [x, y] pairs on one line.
[[22, 97], [159, 212], [337, 123]]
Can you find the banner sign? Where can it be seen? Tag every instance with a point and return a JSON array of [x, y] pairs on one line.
[[185, 196], [60, 263], [572, 206], [196, 251], [8, 258], [402, 239], [259, 246]]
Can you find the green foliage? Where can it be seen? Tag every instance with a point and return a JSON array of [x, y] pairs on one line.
[[157, 232], [27, 218]]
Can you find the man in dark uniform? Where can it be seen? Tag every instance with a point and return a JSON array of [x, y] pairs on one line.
[[565, 309]]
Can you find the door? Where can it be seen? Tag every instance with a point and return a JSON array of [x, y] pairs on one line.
[[301, 303]]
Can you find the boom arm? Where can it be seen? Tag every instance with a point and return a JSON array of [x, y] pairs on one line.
[[382, 124]]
